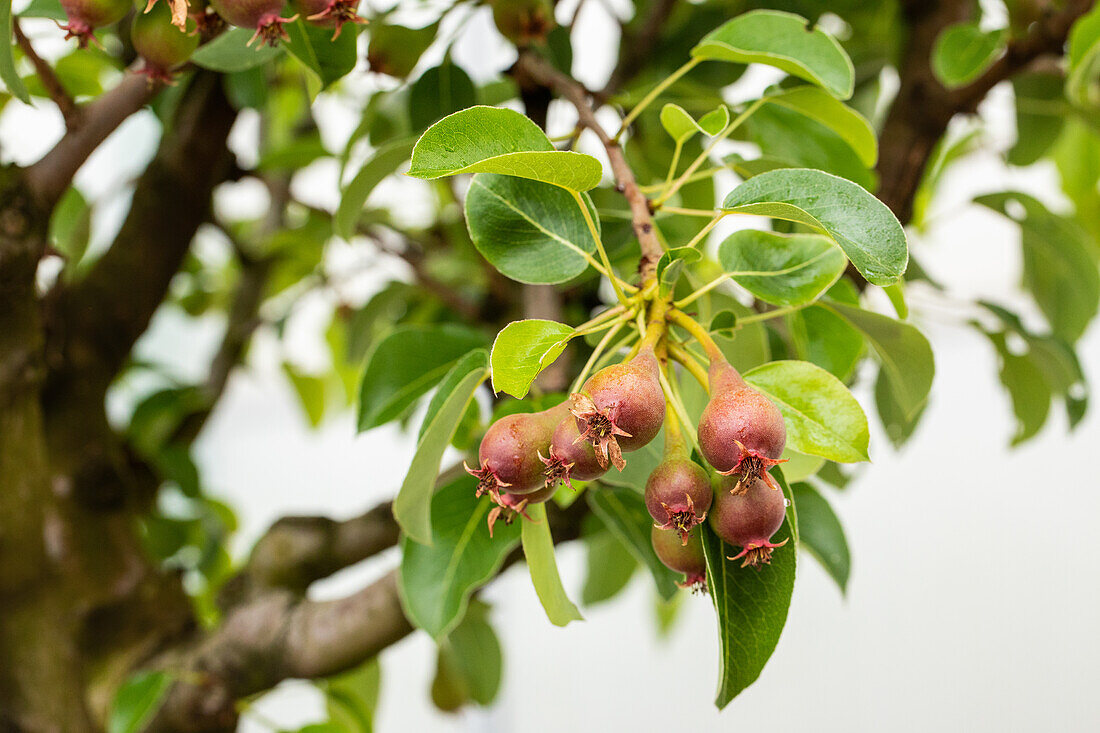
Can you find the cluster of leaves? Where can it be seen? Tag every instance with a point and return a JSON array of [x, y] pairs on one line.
[[794, 323]]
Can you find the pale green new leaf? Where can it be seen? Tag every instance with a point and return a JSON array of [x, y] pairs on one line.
[[1083, 79], [523, 349], [963, 51], [682, 126], [785, 41], [863, 226], [822, 417], [851, 126], [782, 269]]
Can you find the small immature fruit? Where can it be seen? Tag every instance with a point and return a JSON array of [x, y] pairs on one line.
[[87, 15], [331, 13], [570, 457], [682, 556], [741, 432], [678, 495], [748, 520], [261, 15], [509, 453], [620, 408], [523, 21], [163, 46]]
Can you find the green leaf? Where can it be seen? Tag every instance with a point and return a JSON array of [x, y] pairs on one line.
[[440, 91], [532, 232], [8, 73], [751, 606], [822, 417], [229, 52], [1083, 79], [70, 225], [611, 565], [1058, 269], [821, 336], [820, 532], [1040, 115], [538, 548], [330, 59], [682, 126], [472, 655], [904, 352], [785, 41], [385, 161], [523, 349], [624, 513], [311, 393], [405, 365], [803, 142], [671, 266], [783, 269], [435, 582], [862, 225], [852, 127], [498, 140], [474, 360], [351, 698], [1027, 386], [412, 505], [137, 701], [963, 51]]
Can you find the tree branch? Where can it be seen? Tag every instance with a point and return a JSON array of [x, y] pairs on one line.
[[60, 96], [276, 636], [49, 177], [531, 68]]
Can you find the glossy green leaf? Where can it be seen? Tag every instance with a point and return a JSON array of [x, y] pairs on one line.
[[852, 127], [785, 41], [499, 140], [137, 701], [822, 417], [8, 73], [538, 548], [681, 126], [523, 349], [820, 532], [383, 162], [412, 505], [330, 59], [229, 52], [472, 361], [405, 365], [435, 582], [751, 606], [863, 226], [624, 513], [963, 51], [532, 232], [1083, 79], [903, 351], [821, 336], [1058, 269], [783, 269], [440, 91], [351, 697]]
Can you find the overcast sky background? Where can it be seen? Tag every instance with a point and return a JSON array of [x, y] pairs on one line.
[[973, 595]]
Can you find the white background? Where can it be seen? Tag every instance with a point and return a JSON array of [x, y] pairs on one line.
[[973, 598]]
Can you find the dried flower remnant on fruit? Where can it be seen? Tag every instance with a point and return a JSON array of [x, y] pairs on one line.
[[678, 495], [85, 16], [557, 469], [487, 481], [331, 13], [599, 429]]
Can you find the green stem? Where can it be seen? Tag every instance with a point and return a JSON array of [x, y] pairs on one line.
[[688, 299], [757, 317], [689, 362], [706, 213], [653, 94], [701, 175], [596, 355], [599, 247], [675, 163], [703, 156], [672, 396], [697, 332]]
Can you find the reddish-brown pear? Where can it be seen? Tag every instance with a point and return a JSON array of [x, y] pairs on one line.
[[749, 519], [509, 453]]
